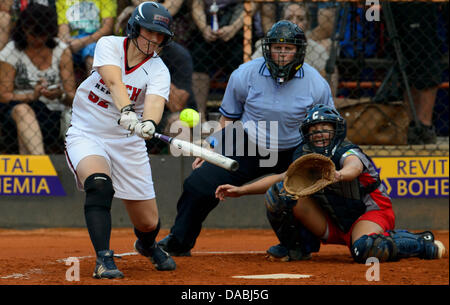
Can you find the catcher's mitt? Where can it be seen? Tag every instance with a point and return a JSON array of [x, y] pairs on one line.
[[309, 174]]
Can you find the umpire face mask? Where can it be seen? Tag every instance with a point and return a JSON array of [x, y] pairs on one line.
[[282, 54], [284, 50], [283, 61]]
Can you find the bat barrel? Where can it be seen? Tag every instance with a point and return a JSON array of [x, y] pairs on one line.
[[198, 151], [234, 166]]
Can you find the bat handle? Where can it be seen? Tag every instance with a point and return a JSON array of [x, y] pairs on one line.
[[162, 137]]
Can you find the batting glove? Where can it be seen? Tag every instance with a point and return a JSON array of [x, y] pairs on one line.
[[146, 129], [128, 118]]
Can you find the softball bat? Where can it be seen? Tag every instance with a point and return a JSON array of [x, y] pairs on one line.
[[198, 151]]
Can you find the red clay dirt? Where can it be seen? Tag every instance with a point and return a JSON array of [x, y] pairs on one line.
[[36, 257]]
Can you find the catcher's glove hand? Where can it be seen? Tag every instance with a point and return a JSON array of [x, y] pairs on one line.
[[308, 174]]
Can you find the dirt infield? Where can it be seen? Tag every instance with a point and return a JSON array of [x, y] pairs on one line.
[[37, 257]]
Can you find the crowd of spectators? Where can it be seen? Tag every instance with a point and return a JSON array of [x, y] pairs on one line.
[[47, 47], [37, 82]]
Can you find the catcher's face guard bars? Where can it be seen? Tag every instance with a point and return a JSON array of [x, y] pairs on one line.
[[321, 134]]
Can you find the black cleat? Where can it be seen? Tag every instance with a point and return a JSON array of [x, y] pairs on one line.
[[159, 258], [172, 246], [106, 268], [283, 254]]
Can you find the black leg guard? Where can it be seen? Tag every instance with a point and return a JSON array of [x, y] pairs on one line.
[[290, 232], [148, 238], [97, 209], [396, 244], [422, 245]]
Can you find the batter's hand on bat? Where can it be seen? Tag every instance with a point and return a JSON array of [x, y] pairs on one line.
[[128, 118], [146, 129], [228, 190]]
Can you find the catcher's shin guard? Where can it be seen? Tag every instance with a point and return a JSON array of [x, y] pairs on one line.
[[290, 232], [422, 245], [396, 244]]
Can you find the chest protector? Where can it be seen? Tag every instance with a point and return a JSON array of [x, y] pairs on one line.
[[342, 201]]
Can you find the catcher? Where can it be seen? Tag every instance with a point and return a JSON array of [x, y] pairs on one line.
[[346, 203]]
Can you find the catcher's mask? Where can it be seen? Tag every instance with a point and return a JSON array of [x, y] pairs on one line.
[[284, 32], [151, 16], [324, 114]]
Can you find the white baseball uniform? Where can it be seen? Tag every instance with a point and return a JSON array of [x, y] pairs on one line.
[[95, 130]]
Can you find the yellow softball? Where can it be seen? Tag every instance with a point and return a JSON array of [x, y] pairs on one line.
[[190, 117]]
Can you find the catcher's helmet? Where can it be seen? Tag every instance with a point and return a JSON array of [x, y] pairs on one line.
[[153, 17], [324, 114], [284, 32]]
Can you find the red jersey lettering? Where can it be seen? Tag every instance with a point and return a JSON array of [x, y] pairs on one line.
[[135, 94]]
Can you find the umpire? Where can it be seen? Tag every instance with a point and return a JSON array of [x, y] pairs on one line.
[[279, 88]]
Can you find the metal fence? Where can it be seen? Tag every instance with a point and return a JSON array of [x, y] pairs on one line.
[[386, 63]]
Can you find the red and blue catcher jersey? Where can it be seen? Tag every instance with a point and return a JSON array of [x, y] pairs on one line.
[[93, 108]]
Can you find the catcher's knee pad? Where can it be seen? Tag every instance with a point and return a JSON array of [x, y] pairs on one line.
[[277, 200], [99, 192], [380, 246]]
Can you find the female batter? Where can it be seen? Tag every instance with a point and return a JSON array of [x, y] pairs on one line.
[[115, 109]]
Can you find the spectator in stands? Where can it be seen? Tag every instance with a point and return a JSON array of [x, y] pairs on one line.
[[416, 24], [36, 80], [264, 17], [322, 22], [215, 51], [9, 10], [5, 21], [82, 23]]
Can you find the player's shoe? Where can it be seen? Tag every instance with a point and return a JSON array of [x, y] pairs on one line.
[[106, 268], [159, 258], [283, 254], [433, 249], [172, 246], [439, 249]]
